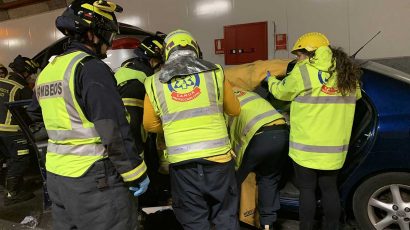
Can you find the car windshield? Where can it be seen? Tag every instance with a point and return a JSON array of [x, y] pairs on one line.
[[399, 63]]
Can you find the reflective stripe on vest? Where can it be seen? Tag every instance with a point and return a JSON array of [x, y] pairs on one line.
[[318, 149], [78, 131], [124, 74], [198, 130], [212, 109], [242, 103], [255, 113], [197, 146], [308, 99], [74, 144], [251, 124], [79, 150]]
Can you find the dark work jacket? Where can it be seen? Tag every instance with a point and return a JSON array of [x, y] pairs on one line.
[[97, 95], [12, 88], [136, 90]]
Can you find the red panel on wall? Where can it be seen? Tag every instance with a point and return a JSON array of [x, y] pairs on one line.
[[281, 42], [245, 43], [219, 46]]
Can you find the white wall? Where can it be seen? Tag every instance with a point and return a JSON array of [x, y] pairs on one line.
[[347, 23]]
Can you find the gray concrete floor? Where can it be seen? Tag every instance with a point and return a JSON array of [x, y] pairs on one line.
[[11, 216]]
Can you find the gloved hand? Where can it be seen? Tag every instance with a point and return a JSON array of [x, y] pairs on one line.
[[267, 76], [142, 187]]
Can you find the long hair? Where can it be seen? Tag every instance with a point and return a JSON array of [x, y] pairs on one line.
[[348, 73]]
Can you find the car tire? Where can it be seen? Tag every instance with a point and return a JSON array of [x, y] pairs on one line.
[[383, 201]]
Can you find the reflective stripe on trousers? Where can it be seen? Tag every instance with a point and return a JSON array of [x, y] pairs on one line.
[[133, 102]]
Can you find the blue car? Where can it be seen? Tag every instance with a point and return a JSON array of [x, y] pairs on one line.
[[374, 183]]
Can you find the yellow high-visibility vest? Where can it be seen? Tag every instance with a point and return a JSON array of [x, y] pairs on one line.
[[123, 75], [74, 144], [191, 111], [255, 113], [321, 118]]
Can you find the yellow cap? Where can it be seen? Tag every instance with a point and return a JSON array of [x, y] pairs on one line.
[[310, 42]]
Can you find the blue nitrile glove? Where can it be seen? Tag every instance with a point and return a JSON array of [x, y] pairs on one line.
[[142, 187], [267, 76]]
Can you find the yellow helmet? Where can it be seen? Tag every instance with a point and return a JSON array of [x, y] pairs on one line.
[[180, 39], [310, 42]]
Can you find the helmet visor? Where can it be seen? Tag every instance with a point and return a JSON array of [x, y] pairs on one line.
[[107, 36]]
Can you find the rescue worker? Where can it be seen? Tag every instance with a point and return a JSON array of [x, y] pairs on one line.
[[323, 88], [186, 100], [92, 161], [130, 82], [3, 71], [259, 138], [13, 144]]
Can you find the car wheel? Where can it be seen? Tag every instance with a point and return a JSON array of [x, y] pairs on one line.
[[383, 202]]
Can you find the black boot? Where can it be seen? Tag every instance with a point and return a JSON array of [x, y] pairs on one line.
[[13, 192]]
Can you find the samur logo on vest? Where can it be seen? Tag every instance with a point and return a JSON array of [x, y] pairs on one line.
[[52, 89], [185, 88], [329, 90]]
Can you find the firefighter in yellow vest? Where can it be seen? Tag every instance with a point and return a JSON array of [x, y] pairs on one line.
[[186, 100], [92, 162], [13, 144], [130, 81], [260, 138], [323, 88]]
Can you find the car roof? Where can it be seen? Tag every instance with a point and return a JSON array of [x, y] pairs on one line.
[[59, 46], [388, 71]]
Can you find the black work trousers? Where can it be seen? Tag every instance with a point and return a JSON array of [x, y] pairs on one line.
[[97, 200], [14, 148], [205, 195], [307, 180], [265, 155]]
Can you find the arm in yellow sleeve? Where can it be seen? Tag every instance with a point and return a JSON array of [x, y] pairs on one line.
[[151, 121], [288, 88], [231, 103]]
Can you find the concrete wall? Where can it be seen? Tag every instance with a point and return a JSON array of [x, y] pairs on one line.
[[347, 23]]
